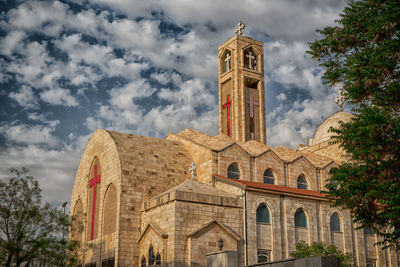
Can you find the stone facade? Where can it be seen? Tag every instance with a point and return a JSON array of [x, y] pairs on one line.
[[143, 208]]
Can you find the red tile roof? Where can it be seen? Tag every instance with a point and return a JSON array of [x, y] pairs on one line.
[[276, 188]]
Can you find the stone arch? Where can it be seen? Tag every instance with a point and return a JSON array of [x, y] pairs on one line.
[[300, 182], [232, 154], [264, 235], [77, 214], [234, 171], [337, 238], [310, 217], [94, 181], [267, 203], [302, 166], [269, 160], [269, 176], [110, 210]]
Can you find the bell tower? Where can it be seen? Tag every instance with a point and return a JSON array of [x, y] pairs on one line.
[[241, 88]]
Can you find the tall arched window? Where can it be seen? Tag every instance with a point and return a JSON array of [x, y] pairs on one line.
[[233, 171], [78, 214], [335, 223], [262, 214], [152, 258], [269, 177], [158, 259], [300, 219], [110, 210], [143, 262], [301, 182]]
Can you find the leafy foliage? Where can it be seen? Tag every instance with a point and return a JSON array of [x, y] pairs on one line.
[[303, 250], [362, 55], [30, 231]]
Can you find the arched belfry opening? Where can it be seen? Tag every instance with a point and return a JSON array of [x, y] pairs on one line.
[[249, 59], [241, 89], [226, 61]]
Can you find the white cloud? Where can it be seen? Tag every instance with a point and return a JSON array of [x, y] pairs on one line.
[[59, 96], [295, 125], [30, 135], [11, 42], [25, 97], [281, 97], [54, 168]]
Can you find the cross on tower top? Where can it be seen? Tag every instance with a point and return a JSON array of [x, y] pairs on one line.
[[192, 169], [240, 27], [339, 100]]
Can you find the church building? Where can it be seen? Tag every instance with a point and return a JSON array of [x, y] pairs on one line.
[[181, 200]]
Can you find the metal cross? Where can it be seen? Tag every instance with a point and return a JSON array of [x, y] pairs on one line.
[[192, 169], [240, 27], [339, 100]]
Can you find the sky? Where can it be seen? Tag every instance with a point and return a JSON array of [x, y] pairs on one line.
[[147, 68]]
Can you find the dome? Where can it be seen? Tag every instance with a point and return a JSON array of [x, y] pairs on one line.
[[322, 133]]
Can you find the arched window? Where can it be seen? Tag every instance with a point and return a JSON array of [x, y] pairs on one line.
[[263, 255], [152, 258], [110, 211], [143, 262], [262, 215], [250, 59], [301, 182], [335, 223], [79, 217], [233, 171], [300, 219], [158, 259], [269, 177]]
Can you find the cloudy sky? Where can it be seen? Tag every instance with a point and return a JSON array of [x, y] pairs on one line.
[[144, 67]]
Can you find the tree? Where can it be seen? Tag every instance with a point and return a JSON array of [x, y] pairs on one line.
[[304, 250], [361, 54], [30, 231]]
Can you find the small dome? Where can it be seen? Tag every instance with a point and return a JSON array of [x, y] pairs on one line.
[[322, 133]]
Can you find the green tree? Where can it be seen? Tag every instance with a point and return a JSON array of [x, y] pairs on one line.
[[304, 250], [361, 54], [29, 230]]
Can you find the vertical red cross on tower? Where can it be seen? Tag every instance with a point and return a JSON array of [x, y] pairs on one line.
[[93, 182], [227, 105], [251, 120]]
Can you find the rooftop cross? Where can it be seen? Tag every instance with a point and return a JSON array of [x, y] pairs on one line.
[[240, 27], [192, 169], [339, 100]]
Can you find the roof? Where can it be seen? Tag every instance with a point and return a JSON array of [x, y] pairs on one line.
[[194, 191], [216, 143], [157, 229], [255, 148], [322, 133], [286, 153], [273, 188], [217, 223]]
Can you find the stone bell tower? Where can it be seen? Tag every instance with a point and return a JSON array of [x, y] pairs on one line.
[[241, 88]]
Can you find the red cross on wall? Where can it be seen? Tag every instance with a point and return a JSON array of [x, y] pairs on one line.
[[93, 182], [227, 105]]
